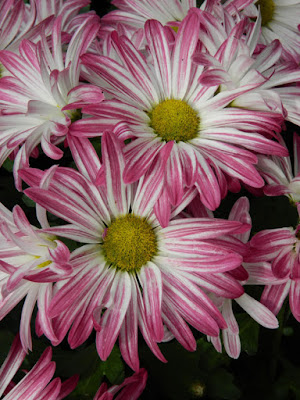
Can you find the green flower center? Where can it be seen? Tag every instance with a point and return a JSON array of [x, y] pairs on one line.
[[129, 243], [1, 70], [75, 115], [174, 120], [267, 8]]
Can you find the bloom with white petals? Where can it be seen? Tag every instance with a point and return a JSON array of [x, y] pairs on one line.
[[131, 388], [162, 106], [132, 272], [259, 312], [44, 95], [280, 20], [67, 9], [30, 260], [36, 383], [280, 178], [15, 26], [276, 253]]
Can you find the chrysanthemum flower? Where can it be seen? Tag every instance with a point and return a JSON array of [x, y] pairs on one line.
[[279, 248], [259, 312], [36, 383], [131, 15], [44, 95], [236, 63], [30, 261], [13, 27], [162, 104], [132, 272], [280, 20], [67, 9], [20, 21], [280, 177], [131, 388]]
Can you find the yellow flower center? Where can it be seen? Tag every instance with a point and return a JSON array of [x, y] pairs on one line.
[[129, 243], [43, 264], [267, 8], [174, 120]]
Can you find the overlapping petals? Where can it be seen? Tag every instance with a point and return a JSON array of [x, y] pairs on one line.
[[174, 282], [30, 261], [274, 261], [227, 139], [43, 94], [36, 384]]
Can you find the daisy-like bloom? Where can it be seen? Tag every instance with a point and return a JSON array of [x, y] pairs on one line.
[[236, 63], [67, 9], [13, 26], [132, 15], [279, 249], [44, 95], [30, 261], [163, 105], [36, 384], [280, 20], [131, 388], [259, 312], [280, 177], [132, 272], [20, 21]]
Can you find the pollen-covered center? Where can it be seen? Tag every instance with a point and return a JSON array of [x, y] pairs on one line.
[[267, 8], [174, 120], [43, 264], [129, 243]]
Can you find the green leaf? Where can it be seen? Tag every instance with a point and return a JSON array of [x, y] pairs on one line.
[[94, 370], [6, 339], [8, 165], [249, 332], [220, 386], [113, 367], [27, 201]]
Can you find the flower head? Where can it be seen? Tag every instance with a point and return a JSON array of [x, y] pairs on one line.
[[43, 96], [280, 178], [30, 260], [36, 384], [258, 311], [275, 252], [279, 21], [132, 272], [161, 107], [131, 388]]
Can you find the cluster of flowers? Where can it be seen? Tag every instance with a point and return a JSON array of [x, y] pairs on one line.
[[188, 103]]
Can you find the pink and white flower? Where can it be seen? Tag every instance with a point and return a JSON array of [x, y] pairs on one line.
[[280, 177], [279, 21], [30, 260], [132, 272], [131, 388], [161, 104], [67, 9], [36, 384], [274, 261], [259, 312], [44, 94], [131, 15], [237, 62], [13, 26]]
